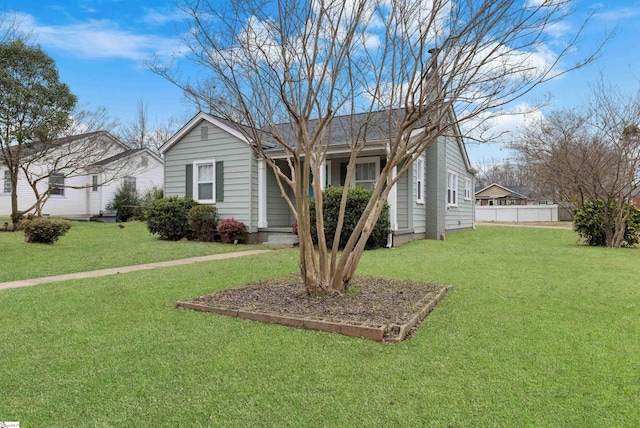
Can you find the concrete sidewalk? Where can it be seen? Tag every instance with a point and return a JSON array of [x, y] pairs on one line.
[[126, 269]]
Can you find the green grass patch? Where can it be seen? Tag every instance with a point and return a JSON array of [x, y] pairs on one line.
[[91, 245], [537, 331]]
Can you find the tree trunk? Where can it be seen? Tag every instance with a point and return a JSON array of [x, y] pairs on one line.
[[15, 213]]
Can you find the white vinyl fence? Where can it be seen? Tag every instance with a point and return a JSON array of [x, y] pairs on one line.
[[517, 213]]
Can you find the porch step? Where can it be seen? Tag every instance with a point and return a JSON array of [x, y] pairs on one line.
[[282, 239], [106, 218], [78, 217]]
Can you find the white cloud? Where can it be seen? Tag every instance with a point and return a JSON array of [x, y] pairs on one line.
[[558, 29], [497, 130], [162, 16], [503, 125], [618, 14], [532, 4], [100, 39]]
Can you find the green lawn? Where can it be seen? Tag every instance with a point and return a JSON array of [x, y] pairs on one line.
[[91, 245], [536, 332]]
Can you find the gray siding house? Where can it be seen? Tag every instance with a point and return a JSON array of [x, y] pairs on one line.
[[210, 160]]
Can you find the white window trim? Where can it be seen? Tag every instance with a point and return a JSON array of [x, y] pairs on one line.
[[262, 194], [129, 179], [370, 159], [3, 175], [467, 189], [420, 180], [62, 188], [456, 188], [195, 181]]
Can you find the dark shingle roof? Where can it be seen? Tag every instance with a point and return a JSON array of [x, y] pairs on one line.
[[372, 126], [120, 155]]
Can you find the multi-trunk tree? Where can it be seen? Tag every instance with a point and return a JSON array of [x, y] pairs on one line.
[[141, 133], [282, 71]]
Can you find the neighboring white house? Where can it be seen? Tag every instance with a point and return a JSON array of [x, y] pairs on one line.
[[86, 191]]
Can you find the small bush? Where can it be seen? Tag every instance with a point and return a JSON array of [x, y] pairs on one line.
[[203, 220], [16, 218], [146, 198], [357, 200], [126, 202], [45, 230], [231, 230], [168, 218], [588, 222]]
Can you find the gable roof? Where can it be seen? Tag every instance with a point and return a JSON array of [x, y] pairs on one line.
[[104, 134], [514, 191], [37, 145], [195, 121], [125, 154], [379, 128]]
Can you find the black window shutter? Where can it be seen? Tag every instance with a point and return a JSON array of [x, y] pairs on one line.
[[343, 172], [188, 179], [219, 181]]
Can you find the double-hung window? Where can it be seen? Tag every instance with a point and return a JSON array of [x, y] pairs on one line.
[[452, 189], [420, 181], [467, 189], [366, 172], [130, 183], [6, 183], [56, 184], [204, 174]]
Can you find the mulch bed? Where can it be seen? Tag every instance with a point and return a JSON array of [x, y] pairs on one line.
[[375, 308]]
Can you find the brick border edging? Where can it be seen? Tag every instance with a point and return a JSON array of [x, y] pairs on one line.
[[362, 330], [405, 329]]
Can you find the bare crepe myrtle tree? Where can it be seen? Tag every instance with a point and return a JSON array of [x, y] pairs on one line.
[[410, 70], [590, 152], [140, 132]]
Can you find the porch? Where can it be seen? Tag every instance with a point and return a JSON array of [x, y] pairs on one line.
[[275, 218]]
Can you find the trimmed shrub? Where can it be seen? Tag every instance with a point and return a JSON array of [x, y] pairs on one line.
[[231, 230], [168, 218], [147, 197], [588, 222], [45, 230], [126, 202], [203, 220], [357, 200]]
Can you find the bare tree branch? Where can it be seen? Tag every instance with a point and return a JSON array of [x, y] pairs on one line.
[[404, 73]]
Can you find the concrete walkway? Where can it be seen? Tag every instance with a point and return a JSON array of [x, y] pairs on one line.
[[126, 269]]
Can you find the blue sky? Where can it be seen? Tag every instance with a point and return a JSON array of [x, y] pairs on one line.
[[100, 47]]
